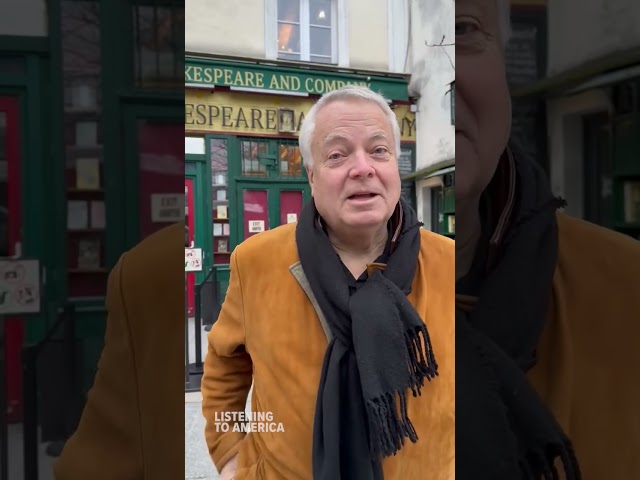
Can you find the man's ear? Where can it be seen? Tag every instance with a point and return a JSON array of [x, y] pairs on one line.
[[310, 176]]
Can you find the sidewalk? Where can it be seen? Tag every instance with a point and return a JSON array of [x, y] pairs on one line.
[[197, 463]]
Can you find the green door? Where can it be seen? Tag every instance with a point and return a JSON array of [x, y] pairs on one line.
[[263, 206]]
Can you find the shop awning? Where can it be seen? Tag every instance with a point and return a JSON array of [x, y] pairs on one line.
[[434, 170], [573, 78]]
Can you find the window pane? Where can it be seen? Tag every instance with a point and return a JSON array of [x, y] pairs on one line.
[[321, 41], [320, 12], [316, 59], [289, 10], [161, 170], [289, 56], [158, 45], [251, 151], [288, 38], [290, 161]]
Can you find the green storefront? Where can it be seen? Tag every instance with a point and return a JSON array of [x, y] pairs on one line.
[[91, 127], [244, 172]]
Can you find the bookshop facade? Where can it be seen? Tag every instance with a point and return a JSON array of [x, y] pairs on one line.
[[244, 172], [90, 157]]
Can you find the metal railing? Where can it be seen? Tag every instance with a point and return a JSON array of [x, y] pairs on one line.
[[206, 311], [31, 354]]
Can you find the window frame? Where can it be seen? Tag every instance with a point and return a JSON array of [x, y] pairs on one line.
[[338, 33]]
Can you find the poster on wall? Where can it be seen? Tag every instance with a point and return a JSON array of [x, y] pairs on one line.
[[19, 286], [192, 259]]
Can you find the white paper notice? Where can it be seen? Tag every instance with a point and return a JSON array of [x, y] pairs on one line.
[[256, 226]]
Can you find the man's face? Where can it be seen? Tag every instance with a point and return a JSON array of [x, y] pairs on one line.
[[354, 178], [483, 105]]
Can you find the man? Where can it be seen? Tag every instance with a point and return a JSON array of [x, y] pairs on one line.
[[547, 305], [132, 426], [338, 320]]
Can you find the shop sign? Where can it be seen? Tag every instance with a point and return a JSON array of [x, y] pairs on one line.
[[230, 112], [283, 79]]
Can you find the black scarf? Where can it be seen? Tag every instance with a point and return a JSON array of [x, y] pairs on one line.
[[380, 349], [503, 430]]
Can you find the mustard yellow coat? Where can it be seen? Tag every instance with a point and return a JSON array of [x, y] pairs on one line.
[[269, 330], [587, 372], [132, 427]]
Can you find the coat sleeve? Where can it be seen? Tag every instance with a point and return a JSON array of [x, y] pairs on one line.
[[227, 370], [107, 443]]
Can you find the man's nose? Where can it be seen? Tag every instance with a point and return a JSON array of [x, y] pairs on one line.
[[361, 166]]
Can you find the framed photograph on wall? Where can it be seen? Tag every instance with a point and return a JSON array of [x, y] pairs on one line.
[[286, 123]]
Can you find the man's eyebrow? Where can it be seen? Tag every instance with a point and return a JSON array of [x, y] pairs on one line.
[[335, 137], [379, 135]]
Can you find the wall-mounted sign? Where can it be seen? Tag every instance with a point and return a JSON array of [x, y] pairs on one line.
[[19, 286], [167, 207], [232, 112], [192, 259], [283, 79], [256, 226], [292, 217]]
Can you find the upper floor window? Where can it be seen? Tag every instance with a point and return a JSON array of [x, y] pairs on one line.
[[307, 31]]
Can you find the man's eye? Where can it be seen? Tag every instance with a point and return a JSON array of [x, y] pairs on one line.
[[466, 27], [334, 156], [379, 151]]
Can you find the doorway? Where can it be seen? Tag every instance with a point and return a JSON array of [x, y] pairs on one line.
[[10, 244]]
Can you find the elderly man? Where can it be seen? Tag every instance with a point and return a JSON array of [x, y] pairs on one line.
[[338, 320], [547, 305]]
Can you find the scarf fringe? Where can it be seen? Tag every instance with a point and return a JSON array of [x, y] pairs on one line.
[[543, 462], [388, 424]]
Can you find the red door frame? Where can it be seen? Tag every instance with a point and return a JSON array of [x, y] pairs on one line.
[[191, 277], [14, 333]]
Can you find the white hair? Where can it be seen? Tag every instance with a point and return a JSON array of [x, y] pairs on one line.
[[504, 21], [348, 92]]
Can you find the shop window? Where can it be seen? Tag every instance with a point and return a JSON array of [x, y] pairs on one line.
[[158, 37], [254, 161], [84, 169], [219, 189], [290, 160], [307, 30]]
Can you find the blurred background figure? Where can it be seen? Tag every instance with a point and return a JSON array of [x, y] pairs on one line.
[[533, 284]]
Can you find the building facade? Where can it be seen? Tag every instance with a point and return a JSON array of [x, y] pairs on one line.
[[248, 88], [431, 61], [91, 160], [592, 95]]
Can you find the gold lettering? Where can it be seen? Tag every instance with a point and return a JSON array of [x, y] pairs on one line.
[[284, 82], [329, 86], [248, 79], [319, 86], [217, 75], [187, 73], [260, 80], [295, 84], [241, 118], [227, 76], [341, 83], [239, 81], [273, 85], [207, 75], [198, 74], [308, 85]]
